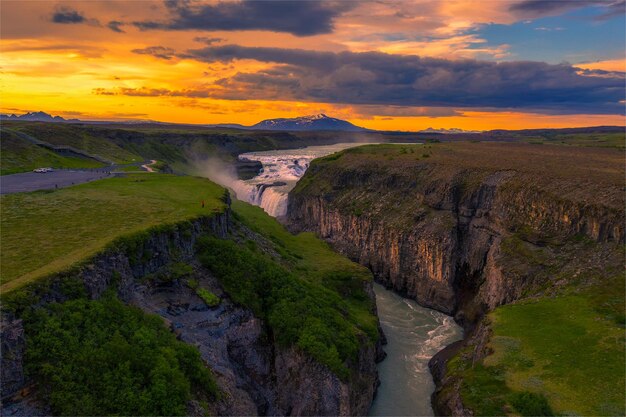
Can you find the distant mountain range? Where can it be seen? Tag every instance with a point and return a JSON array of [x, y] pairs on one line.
[[448, 131], [315, 122], [37, 116], [318, 122]]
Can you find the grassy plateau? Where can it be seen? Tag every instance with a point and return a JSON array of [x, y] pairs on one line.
[[46, 231]]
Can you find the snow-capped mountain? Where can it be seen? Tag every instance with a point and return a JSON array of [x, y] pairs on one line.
[[315, 122]]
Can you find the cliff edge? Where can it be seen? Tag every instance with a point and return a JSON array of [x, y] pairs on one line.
[[467, 227]]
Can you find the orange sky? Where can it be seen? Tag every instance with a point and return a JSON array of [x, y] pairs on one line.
[[80, 70]]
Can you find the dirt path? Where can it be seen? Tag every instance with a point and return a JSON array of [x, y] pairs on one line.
[[147, 166]]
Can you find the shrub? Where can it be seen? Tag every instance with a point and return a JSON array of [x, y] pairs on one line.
[[179, 270], [103, 357], [208, 297], [299, 312], [531, 404]]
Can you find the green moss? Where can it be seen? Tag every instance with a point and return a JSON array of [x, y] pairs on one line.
[[208, 297], [531, 404]]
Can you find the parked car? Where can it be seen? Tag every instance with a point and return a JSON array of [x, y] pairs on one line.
[[43, 170]]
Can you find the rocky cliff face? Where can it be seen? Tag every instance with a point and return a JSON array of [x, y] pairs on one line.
[[256, 376], [465, 228], [437, 233]]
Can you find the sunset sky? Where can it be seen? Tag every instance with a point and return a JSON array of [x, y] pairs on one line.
[[384, 65]]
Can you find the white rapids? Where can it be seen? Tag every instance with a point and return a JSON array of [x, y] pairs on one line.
[[281, 170], [414, 334]]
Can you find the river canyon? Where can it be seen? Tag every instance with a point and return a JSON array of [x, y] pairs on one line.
[[414, 333]]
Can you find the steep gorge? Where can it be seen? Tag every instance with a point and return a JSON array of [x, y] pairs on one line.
[[465, 228], [255, 374]]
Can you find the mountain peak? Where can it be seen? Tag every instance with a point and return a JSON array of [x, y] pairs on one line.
[[313, 122]]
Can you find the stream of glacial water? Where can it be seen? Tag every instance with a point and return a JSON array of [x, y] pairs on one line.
[[414, 334]]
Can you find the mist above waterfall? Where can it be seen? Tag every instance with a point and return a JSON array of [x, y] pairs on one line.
[[270, 188]]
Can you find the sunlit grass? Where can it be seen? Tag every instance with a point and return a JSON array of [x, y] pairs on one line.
[[44, 232], [566, 348], [20, 155]]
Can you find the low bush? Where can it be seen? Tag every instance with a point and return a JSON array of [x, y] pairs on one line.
[[105, 358], [208, 297], [531, 404], [299, 312]]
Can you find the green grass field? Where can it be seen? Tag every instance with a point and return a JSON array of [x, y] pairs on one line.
[[45, 232], [601, 140], [19, 155], [67, 135], [565, 349]]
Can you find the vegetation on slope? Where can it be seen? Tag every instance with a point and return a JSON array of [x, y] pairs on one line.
[[101, 357], [19, 155], [60, 134], [45, 232], [310, 296]]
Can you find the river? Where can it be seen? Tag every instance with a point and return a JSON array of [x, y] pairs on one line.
[[414, 334]]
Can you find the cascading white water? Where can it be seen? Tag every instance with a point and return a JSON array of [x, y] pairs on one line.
[[281, 170]]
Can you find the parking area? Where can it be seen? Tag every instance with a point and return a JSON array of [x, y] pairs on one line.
[[33, 181]]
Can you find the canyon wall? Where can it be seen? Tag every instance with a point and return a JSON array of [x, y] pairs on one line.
[[436, 232], [465, 228], [255, 375]]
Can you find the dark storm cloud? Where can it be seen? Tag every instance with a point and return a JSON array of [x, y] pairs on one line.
[[157, 51], [207, 41], [384, 79], [115, 26], [538, 8], [150, 92], [65, 15], [300, 18]]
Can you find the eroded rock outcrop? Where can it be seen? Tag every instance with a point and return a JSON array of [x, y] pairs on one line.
[[465, 228], [255, 375], [436, 232]]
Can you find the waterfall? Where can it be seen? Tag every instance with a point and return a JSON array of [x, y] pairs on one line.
[[281, 171]]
